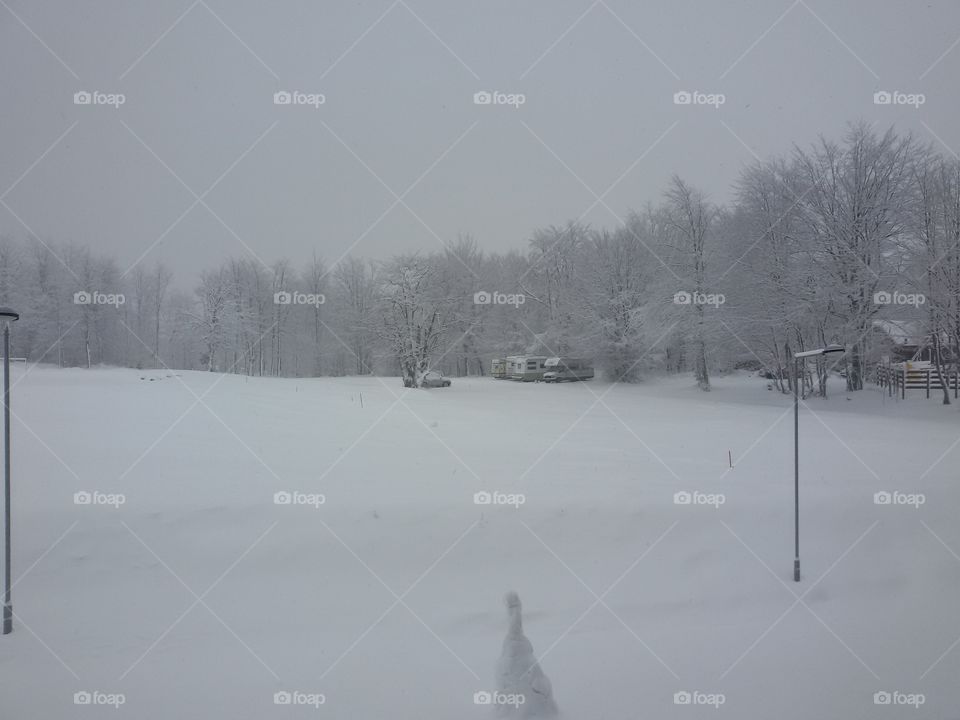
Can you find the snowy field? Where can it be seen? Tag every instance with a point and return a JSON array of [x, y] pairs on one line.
[[200, 597]]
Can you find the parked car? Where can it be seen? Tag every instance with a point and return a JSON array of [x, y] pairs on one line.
[[434, 379]]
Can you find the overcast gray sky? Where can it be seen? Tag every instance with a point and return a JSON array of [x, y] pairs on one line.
[[398, 80]]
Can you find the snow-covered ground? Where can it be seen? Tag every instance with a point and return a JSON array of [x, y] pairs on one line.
[[200, 597]]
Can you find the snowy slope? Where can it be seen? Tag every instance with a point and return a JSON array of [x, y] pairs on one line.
[[200, 597]]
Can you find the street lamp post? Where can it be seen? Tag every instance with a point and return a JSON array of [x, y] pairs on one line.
[[7, 315], [797, 358]]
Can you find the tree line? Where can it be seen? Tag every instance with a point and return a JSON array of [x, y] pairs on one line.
[[837, 242]]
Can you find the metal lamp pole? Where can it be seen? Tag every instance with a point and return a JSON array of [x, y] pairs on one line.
[[796, 469], [8, 316], [797, 357]]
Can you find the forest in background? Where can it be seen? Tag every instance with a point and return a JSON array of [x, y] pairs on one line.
[[838, 242]]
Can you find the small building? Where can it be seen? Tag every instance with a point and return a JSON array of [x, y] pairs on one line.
[[498, 368]]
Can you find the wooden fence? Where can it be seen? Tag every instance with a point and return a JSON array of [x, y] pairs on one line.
[[903, 377]]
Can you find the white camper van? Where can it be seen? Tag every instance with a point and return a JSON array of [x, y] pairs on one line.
[[527, 368], [564, 369]]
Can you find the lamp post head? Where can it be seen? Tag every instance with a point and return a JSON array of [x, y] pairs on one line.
[[820, 351], [9, 314]]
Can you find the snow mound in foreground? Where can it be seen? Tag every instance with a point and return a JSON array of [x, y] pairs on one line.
[[518, 672]]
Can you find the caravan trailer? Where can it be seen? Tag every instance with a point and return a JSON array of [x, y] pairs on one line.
[[564, 369], [498, 368], [527, 368]]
